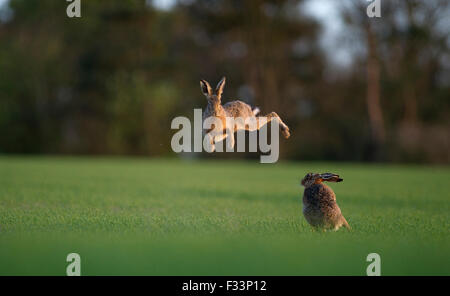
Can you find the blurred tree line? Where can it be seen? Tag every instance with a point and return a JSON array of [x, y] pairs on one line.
[[111, 81]]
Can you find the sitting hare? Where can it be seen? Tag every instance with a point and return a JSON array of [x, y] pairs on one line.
[[234, 109], [319, 202]]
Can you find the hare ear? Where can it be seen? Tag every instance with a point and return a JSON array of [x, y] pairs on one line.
[[206, 88], [220, 86], [331, 177]]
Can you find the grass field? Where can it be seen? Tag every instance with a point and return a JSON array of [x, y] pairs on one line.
[[137, 216]]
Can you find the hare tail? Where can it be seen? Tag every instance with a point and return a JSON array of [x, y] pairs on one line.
[[255, 111]]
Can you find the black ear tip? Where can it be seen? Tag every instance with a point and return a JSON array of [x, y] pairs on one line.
[[340, 180]]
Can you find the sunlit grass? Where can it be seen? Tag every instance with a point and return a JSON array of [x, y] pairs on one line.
[[141, 216]]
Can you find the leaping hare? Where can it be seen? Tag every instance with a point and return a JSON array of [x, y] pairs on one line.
[[319, 202], [234, 109]]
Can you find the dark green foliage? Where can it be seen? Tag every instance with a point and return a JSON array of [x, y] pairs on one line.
[[111, 81]]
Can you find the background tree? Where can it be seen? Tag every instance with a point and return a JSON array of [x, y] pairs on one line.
[[111, 81]]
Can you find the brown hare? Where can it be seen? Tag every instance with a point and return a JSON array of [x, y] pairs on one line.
[[319, 202], [234, 109]]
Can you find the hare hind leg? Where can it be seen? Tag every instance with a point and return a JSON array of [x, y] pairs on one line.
[[284, 128], [268, 118], [341, 223], [345, 223]]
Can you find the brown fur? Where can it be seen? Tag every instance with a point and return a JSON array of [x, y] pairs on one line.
[[235, 109], [319, 202]]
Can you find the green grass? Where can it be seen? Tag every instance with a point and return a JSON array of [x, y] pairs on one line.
[[167, 217]]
